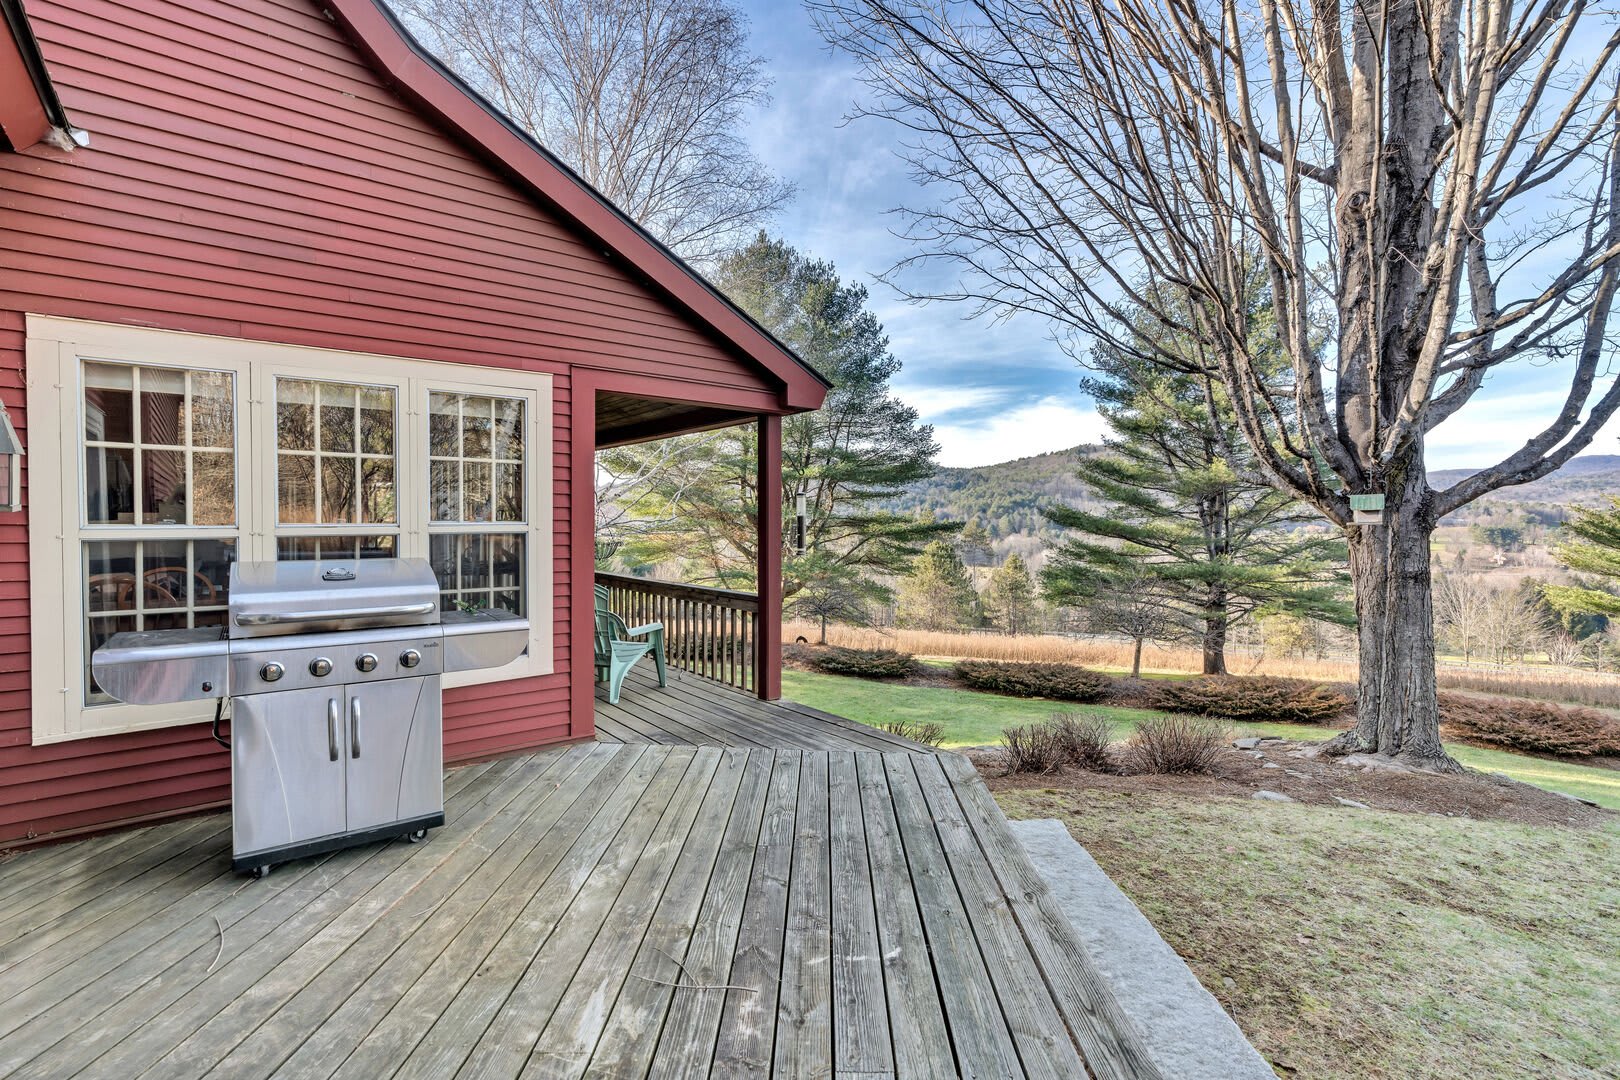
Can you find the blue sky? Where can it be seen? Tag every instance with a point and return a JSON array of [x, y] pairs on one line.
[[993, 390]]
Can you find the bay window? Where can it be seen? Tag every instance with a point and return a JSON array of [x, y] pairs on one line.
[[179, 454]]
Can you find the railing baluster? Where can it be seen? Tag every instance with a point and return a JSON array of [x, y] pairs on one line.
[[708, 632]]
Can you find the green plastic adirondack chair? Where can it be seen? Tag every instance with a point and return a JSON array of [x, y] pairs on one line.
[[617, 649]]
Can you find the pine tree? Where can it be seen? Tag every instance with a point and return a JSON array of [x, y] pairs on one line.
[[830, 592], [860, 449], [1009, 597], [1189, 507], [936, 594], [1595, 551], [974, 544]]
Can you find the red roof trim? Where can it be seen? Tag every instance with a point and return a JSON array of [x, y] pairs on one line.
[[430, 87]]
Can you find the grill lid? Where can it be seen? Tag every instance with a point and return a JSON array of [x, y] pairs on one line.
[[273, 598]]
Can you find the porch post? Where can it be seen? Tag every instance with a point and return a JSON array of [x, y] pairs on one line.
[[768, 635]]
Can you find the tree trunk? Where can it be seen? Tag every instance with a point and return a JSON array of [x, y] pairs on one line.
[[1136, 660], [823, 640], [1215, 636], [1397, 712]]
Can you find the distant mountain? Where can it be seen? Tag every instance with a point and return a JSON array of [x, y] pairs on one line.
[[1006, 499], [1585, 479]]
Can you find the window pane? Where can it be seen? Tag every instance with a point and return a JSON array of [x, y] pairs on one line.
[[337, 490], [163, 487], [165, 578], [110, 576], [476, 443], [213, 488], [444, 425], [109, 411], [509, 492], [344, 546], [479, 570], [475, 427], [152, 585], [295, 414], [377, 491], [109, 485], [178, 410], [476, 491], [212, 419], [509, 429], [296, 498], [337, 418], [350, 457], [376, 420], [445, 480], [163, 406]]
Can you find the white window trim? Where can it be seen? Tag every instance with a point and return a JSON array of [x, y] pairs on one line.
[[55, 348]]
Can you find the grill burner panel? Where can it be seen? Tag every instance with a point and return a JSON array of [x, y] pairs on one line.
[[337, 733]]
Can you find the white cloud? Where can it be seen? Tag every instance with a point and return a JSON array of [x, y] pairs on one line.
[[1037, 428], [1488, 429], [935, 403]]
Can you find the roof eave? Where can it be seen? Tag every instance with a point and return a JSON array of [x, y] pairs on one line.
[[418, 75], [30, 111]]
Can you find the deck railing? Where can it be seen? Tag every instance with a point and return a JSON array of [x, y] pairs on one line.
[[709, 632]]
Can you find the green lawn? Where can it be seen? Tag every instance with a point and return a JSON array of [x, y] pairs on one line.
[[974, 719], [1375, 944]]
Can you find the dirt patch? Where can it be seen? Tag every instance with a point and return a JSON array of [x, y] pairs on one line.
[[1292, 769]]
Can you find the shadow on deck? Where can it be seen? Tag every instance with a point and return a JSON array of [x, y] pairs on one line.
[[820, 901]]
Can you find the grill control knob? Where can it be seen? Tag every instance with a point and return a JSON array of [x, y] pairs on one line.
[[366, 661], [272, 671], [320, 667], [410, 658]]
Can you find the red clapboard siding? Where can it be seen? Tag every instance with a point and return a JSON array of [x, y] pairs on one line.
[[249, 175]]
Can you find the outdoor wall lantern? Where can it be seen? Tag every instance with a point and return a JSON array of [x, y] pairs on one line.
[[11, 455], [801, 539]]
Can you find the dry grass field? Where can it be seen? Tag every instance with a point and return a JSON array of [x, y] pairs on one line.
[[1544, 683]]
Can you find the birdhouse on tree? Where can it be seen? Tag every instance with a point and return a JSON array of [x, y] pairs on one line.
[[1367, 509]]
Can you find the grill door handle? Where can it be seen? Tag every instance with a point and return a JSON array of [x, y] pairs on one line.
[[332, 728], [276, 618], [354, 727]]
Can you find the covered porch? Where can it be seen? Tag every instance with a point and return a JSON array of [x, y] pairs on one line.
[[711, 635]]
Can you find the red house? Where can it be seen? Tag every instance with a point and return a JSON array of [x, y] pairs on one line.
[[274, 284]]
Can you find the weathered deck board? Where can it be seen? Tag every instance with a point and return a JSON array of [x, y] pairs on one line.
[[861, 1040], [804, 1005], [745, 889], [917, 1032], [661, 965], [694, 711]]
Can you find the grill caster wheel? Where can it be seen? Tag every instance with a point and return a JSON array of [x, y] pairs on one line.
[[260, 872], [416, 836]]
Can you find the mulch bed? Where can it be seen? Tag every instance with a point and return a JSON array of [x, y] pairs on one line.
[[1306, 778]]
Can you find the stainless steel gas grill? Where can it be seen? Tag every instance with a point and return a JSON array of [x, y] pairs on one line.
[[332, 671]]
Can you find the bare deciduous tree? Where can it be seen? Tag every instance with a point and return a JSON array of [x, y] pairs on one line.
[[643, 98], [1430, 185], [624, 513], [1461, 605]]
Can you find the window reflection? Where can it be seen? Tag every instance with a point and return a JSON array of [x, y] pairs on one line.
[[479, 570], [335, 453], [169, 461], [152, 585]]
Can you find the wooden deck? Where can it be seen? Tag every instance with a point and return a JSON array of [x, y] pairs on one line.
[[694, 711], [616, 910]]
